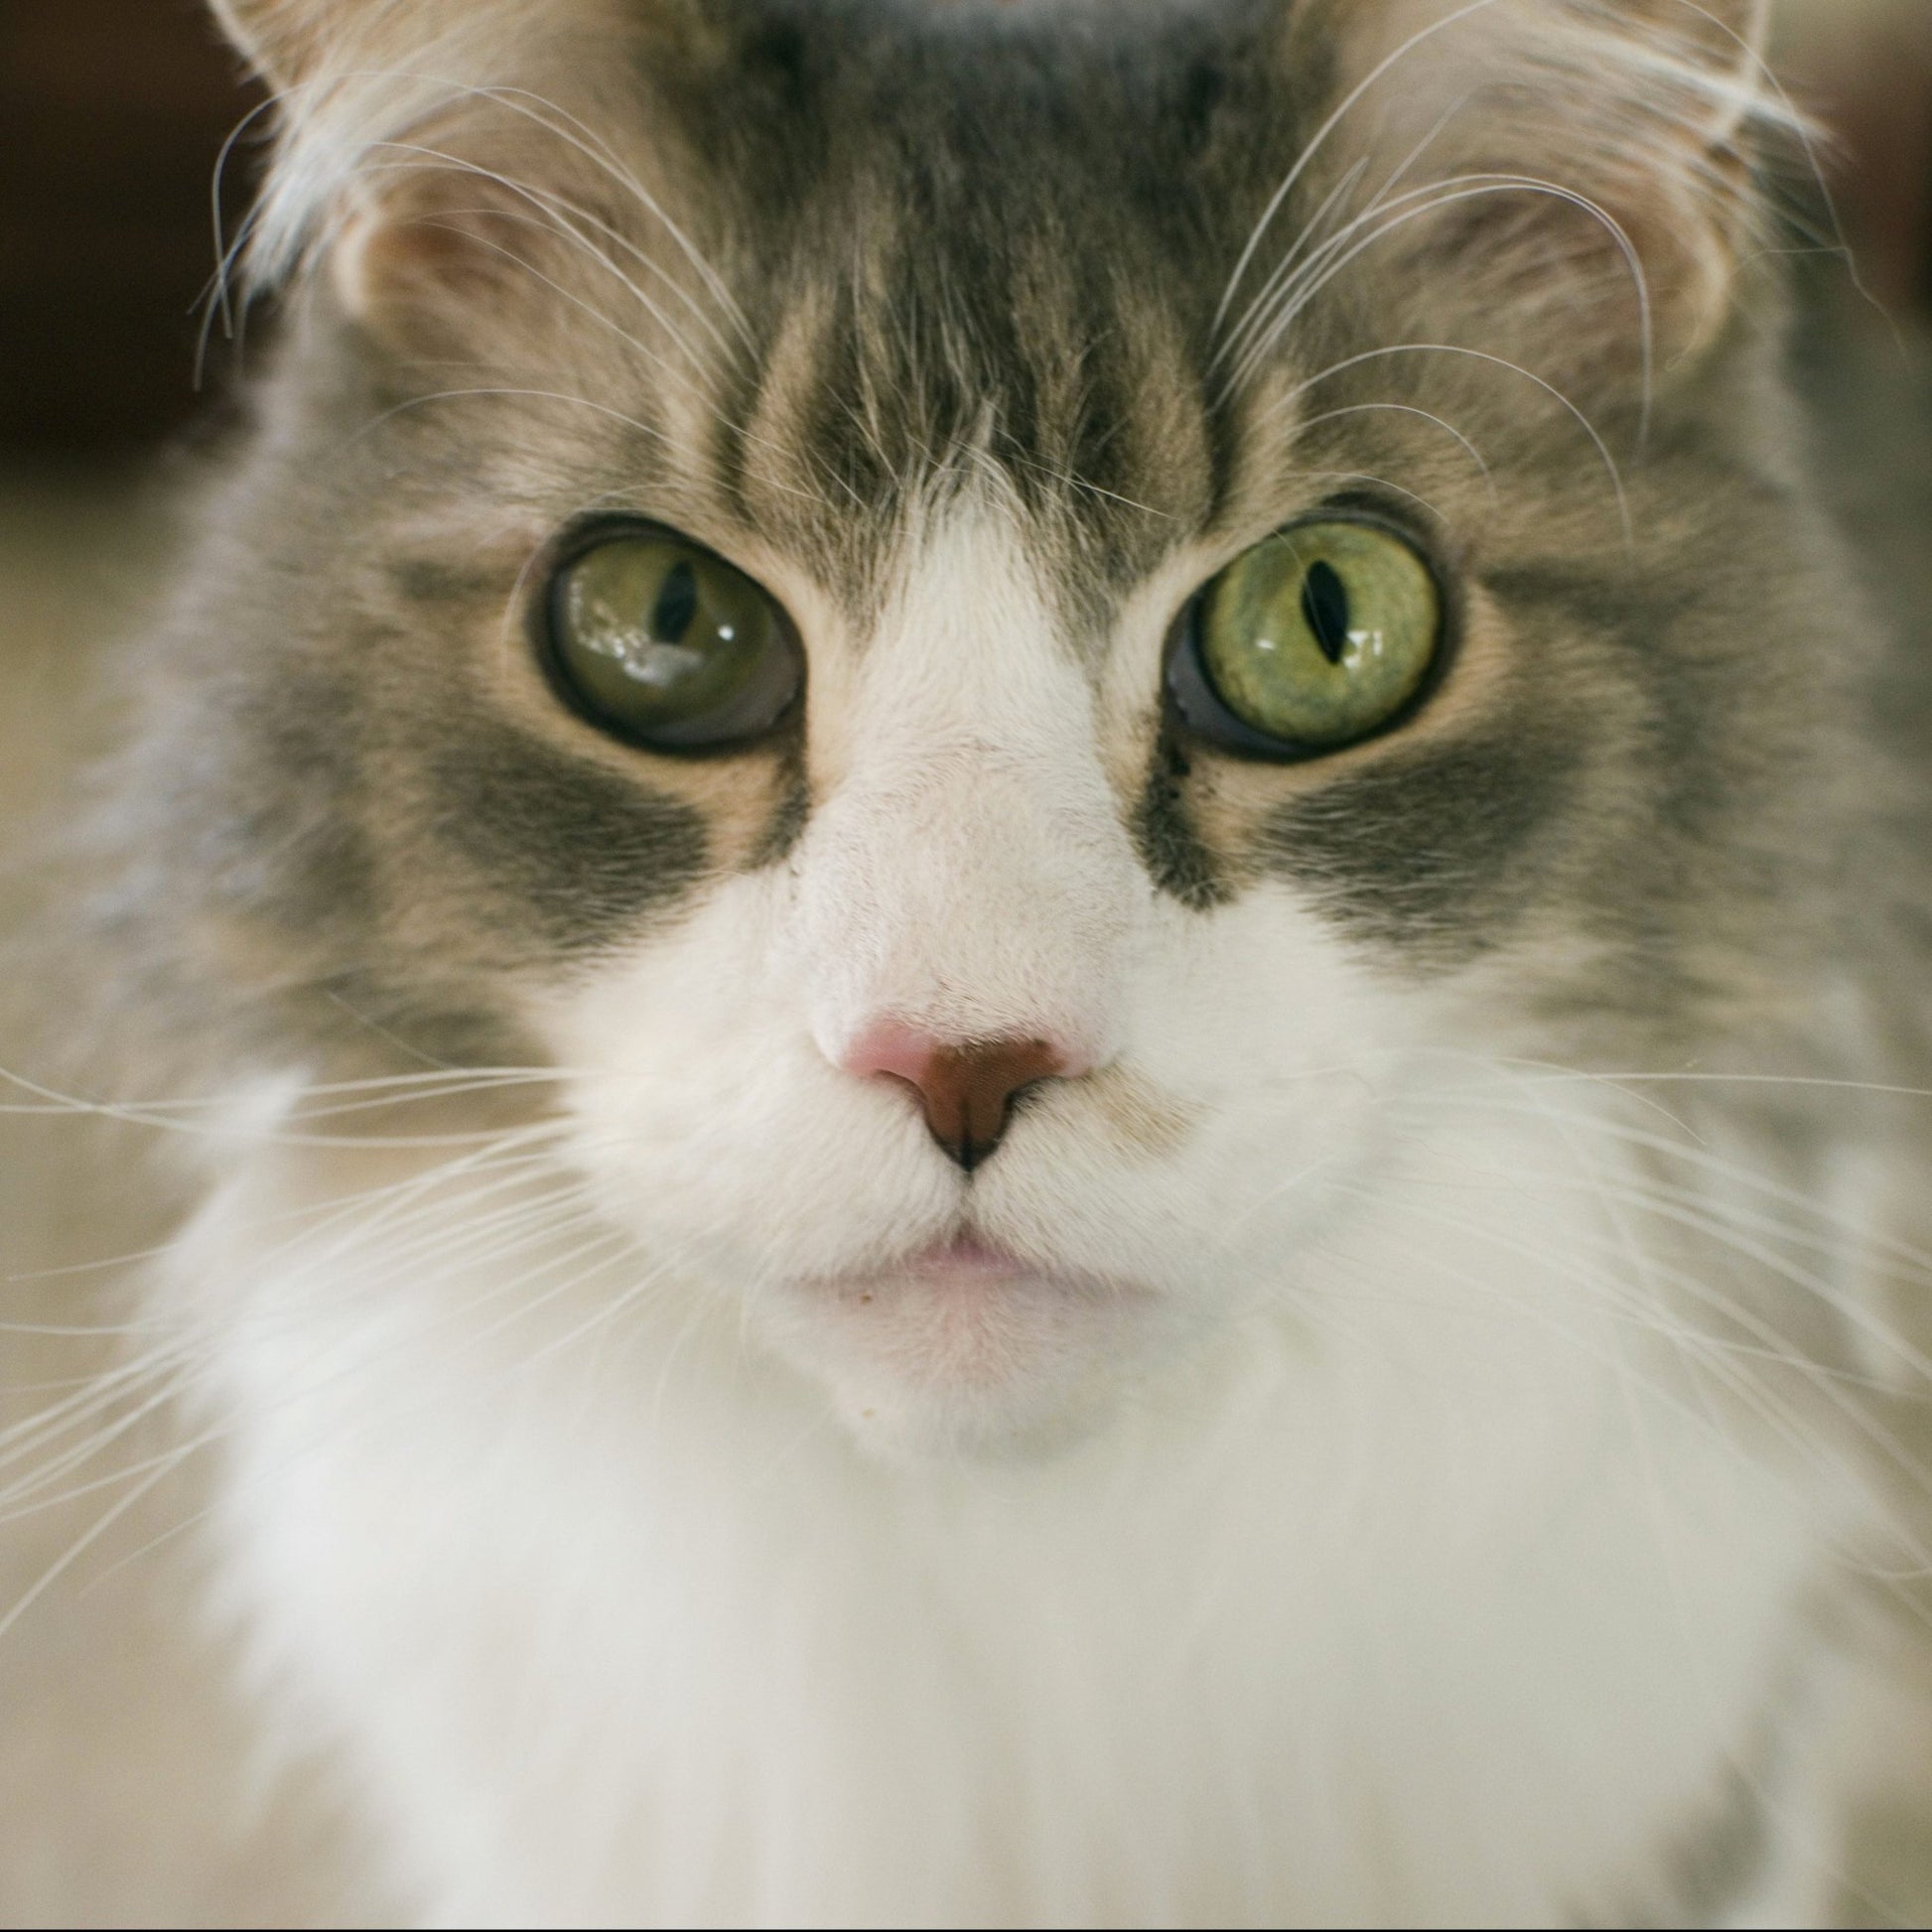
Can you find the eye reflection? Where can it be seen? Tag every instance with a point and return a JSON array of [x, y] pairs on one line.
[[660, 643]]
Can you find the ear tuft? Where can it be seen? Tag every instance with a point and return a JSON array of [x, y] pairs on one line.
[[370, 92], [361, 82]]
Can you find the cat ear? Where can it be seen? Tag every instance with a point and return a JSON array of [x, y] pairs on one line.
[[290, 43], [1599, 161], [424, 155]]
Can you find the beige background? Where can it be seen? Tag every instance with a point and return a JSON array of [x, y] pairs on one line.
[[130, 1792]]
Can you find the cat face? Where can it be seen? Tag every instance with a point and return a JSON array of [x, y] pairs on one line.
[[1259, 576]]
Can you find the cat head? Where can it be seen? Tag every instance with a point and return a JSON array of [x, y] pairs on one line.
[[994, 625]]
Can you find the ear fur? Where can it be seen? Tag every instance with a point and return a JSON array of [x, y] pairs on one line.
[[1608, 148], [289, 42], [421, 143]]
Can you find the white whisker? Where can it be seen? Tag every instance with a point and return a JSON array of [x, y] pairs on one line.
[[1326, 132], [1342, 253], [1588, 428]]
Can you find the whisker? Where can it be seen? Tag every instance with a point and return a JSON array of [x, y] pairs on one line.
[[560, 224], [1327, 264], [88, 1538], [1234, 340], [1918, 1261], [1325, 133], [1313, 226], [1550, 389], [1627, 1308], [1404, 409]]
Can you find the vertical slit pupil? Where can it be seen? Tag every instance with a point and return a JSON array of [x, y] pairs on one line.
[[1325, 607], [677, 604]]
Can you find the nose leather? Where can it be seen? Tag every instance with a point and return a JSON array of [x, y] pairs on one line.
[[965, 1087]]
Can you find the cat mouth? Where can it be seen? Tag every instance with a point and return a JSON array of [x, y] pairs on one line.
[[966, 1261], [963, 1341], [965, 1266], [968, 1303]]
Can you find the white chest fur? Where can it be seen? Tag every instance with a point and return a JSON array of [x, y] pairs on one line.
[[1430, 1600]]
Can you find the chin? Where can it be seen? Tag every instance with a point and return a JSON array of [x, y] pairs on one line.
[[965, 1350]]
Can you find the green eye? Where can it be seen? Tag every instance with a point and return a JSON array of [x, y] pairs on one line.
[[1317, 637], [662, 643]]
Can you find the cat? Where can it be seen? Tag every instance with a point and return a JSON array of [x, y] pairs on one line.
[[1029, 865]]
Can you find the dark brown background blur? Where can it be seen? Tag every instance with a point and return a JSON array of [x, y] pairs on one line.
[[112, 114]]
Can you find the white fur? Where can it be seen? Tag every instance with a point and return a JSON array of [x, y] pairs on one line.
[[1328, 1537], [1425, 1609]]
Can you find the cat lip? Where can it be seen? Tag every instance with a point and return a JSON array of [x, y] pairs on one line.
[[965, 1258], [969, 1271], [962, 1262]]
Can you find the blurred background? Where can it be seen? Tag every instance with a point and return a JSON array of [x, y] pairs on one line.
[[112, 114], [113, 1807]]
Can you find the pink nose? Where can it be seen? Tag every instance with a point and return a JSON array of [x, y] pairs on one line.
[[966, 1087]]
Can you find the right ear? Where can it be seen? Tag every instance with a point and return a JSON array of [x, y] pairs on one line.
[[424, 158], [292, 42], [353, 80], [423, 145]]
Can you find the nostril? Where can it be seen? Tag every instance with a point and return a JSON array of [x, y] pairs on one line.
[[966, 1088]]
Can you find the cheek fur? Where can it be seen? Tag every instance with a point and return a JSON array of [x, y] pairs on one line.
[[581, 853]]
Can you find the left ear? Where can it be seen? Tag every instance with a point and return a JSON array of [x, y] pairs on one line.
[[1607, 152]]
